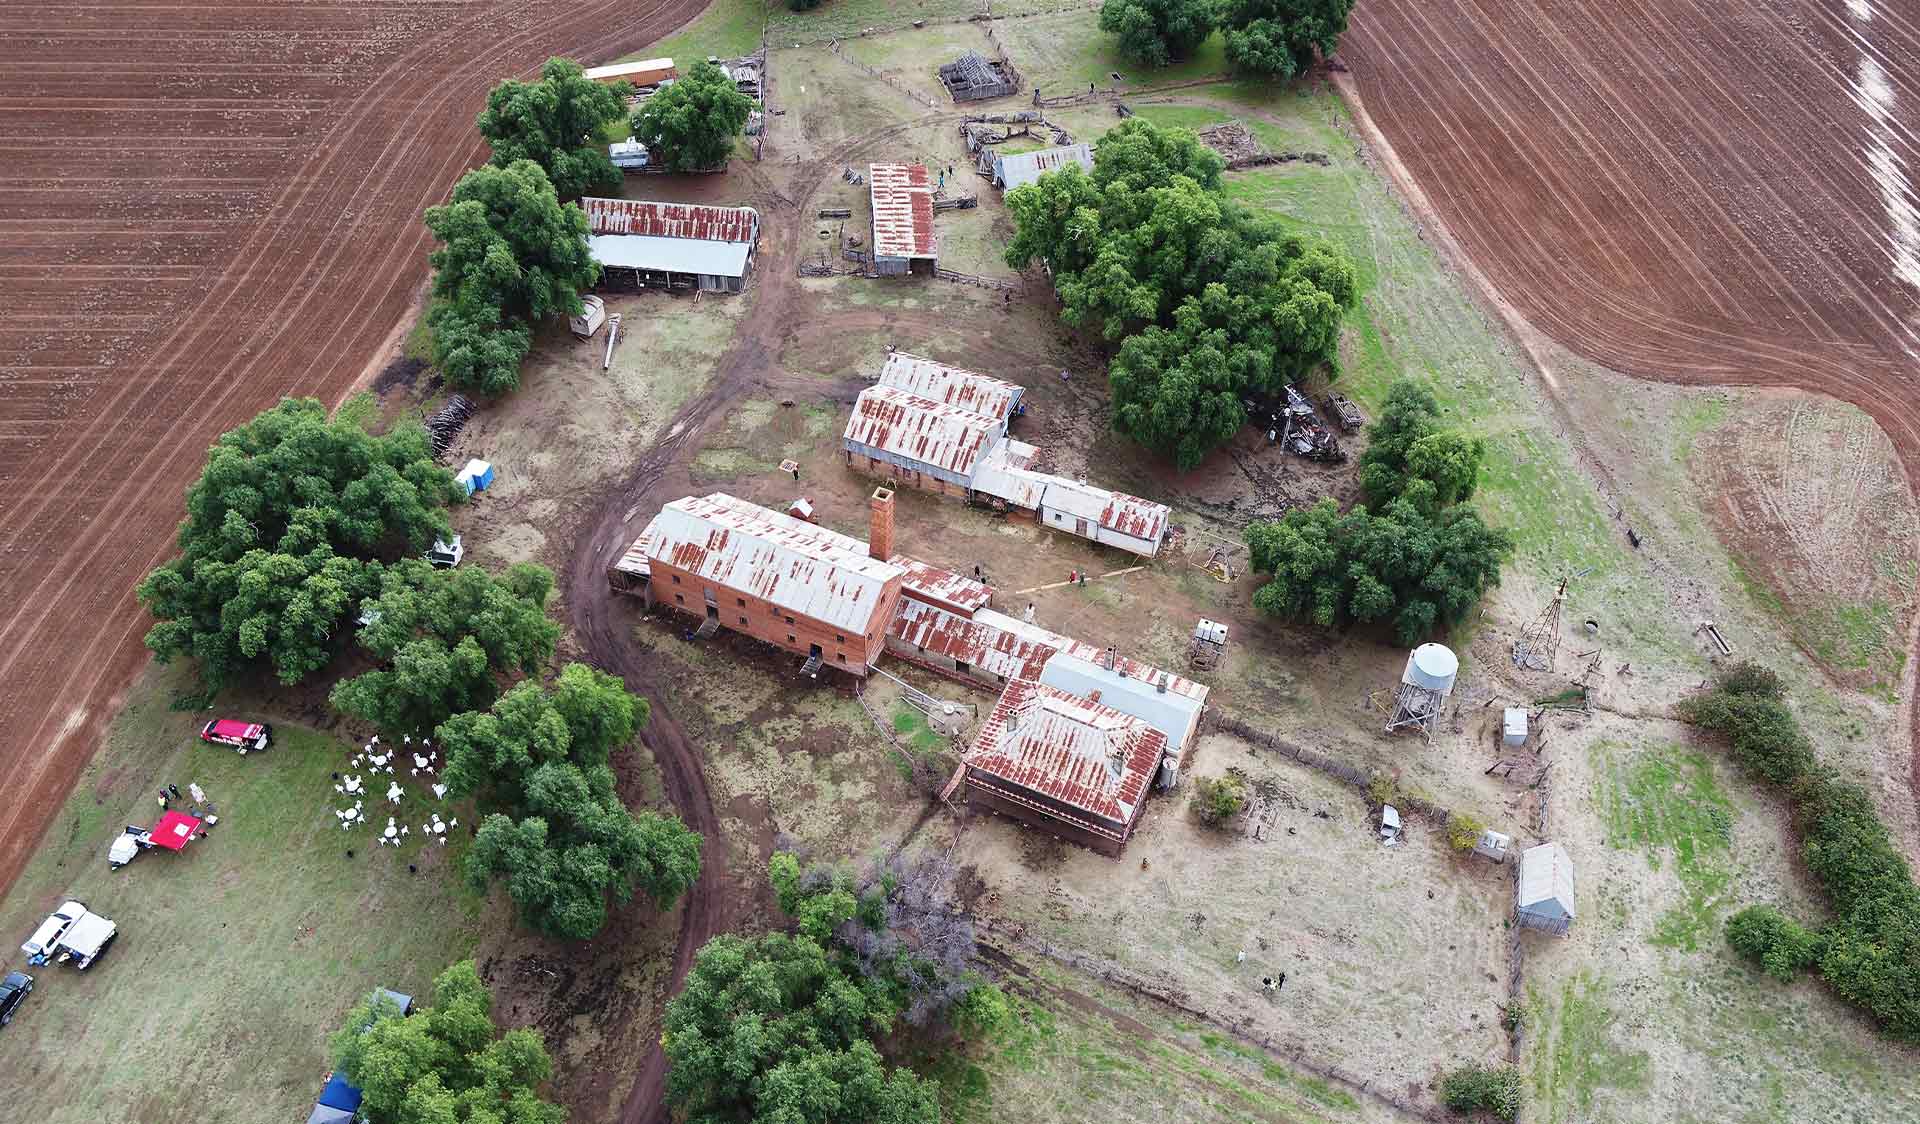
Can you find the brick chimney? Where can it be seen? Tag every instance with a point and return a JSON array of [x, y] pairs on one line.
[[880, 525]]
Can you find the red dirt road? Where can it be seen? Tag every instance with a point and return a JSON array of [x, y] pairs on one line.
[[1687, 191], [223, 211]]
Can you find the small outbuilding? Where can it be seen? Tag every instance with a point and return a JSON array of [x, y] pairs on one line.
[[975, 77], [901, 199], [1544, 892], [1513, 726], [1017, 169]]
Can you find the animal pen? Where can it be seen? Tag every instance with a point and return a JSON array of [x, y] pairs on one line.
[[975, 77]]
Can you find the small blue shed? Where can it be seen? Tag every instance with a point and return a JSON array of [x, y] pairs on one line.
[[476, 476], [338, 1103]]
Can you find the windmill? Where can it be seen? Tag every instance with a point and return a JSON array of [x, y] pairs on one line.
[[1539, 643]]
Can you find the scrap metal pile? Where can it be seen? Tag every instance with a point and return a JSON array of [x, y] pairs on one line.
[[1296, 427]]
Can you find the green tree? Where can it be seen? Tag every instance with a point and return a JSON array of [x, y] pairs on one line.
[[285, 533], [557, 833], [1281, 38], [477, 348], [1474, 1088], [1208, 301], [1408, 414], [1139, 154], [692, 123], [1779, 945], [556, 123], [1158, 32], [508, 243], [1409, 566], [1218, 799], [1450, 462], [443, 636], [445, 1064]]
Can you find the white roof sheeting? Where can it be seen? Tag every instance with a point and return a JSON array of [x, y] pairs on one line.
[[962, 389], [1173, 712], [1022, 168], [803, 568], [677, 255], [1116, 511], [1546, 881], [1003, 473]]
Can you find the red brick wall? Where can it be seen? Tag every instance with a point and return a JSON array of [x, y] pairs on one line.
[[744, 613], [905, 477]]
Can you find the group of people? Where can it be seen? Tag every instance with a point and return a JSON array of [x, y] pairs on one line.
[[200, 808]]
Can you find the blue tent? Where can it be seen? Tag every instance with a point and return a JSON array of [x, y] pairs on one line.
[[476, 476], [338, 1103]]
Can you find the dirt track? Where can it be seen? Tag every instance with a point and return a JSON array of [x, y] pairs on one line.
[[1684, 192]]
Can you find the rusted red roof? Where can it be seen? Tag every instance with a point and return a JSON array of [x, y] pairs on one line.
[[930, 583], [992, 642], [921, 430], [801, 567], [954, 386], [671, 220], [902, 199], [1070, 749]]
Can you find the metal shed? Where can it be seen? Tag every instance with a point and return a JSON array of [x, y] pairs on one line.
[[672, 245], [1513, 726], [1021, 168], [918, 435], [1543, 894], [902, 200]]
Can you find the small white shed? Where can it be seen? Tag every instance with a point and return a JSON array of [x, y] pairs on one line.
[[1513, 726], [1493, 845], [1544, 890]]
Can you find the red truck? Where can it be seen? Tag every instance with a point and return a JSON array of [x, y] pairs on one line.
[[243, 736]]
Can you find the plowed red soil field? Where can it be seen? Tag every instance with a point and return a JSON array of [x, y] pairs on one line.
[[1688, 190], [1685, 190], [203, 207]]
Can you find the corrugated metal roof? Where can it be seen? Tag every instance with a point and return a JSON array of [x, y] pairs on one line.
[[1546, 881], [920, 429], [1116, 511], [1003, 473], [1081, 753], [902, 199], [1021, 168], [643, 71], [930, 583], [966, 390], [992, 642], [1080, 669], [677, 255], [671, 220], [803, 568]]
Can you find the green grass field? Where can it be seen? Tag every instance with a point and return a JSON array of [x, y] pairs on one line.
[[235, 957]]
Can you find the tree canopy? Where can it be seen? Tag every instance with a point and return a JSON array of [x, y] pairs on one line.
[[1412, 566], [1281, 38], [1405, 445], [556, 122], [779, 1029], [1158, 32], [444, 1064], [691, 124], [285, 533], [1208, 302], [443, 636], [1869, 950], [556, 831], [510, 254]]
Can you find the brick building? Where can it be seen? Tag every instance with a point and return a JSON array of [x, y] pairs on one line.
[[793, 584], [1065, 764]]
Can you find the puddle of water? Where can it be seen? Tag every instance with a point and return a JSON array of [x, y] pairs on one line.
[[1874, 94]]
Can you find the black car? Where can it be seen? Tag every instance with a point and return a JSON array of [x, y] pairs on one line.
[[13, 991]]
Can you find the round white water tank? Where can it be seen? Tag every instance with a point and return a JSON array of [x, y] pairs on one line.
[[1433, 667]]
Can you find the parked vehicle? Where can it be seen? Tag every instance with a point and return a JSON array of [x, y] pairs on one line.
[[243, 736], [447, 555], [13, 992], [71, 935]]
